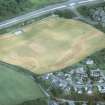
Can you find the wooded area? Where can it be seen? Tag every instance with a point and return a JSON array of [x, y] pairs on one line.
[[12, 8]]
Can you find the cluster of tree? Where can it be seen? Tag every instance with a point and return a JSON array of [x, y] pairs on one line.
[[10, 8], [66, 13], [99, 58]]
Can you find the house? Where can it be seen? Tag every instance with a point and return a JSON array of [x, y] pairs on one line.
[[101, 88], [100, 103], [89, 62], [55, 83], [79, 81], [78, 89], [89, 89], [95, 73], [69, 80], [67, 75], [84, 103], [80, 72], [18, 32], [67, 90], [71, 103], [101, 80], [63, 84], [60, 75], [52, 103], [48, 76]]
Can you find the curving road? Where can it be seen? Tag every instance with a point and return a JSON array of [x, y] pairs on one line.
[[37, 13]]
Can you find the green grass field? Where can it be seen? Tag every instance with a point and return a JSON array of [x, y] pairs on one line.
[[51, 44], [16, 87]]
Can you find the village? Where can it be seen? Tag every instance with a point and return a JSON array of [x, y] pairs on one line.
[[77, 80]]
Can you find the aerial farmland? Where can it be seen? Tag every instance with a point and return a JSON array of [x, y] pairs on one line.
[[50, 44]]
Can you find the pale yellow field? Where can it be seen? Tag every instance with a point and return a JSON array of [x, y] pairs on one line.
[[51, 44]]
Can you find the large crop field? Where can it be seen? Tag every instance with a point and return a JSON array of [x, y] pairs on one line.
[[50, 44]]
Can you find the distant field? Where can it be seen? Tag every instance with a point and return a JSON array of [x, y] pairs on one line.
[[51, 44], [16, 88]]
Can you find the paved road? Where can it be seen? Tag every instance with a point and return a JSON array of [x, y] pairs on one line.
[[37, 13]]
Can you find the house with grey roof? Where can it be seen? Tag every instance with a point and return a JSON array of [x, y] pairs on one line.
[[95, 74], [89, 89], [101, 88], [79, 89], [89, 62]]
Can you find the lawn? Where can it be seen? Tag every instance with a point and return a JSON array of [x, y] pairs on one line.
[[17, 87], [51, 44]]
